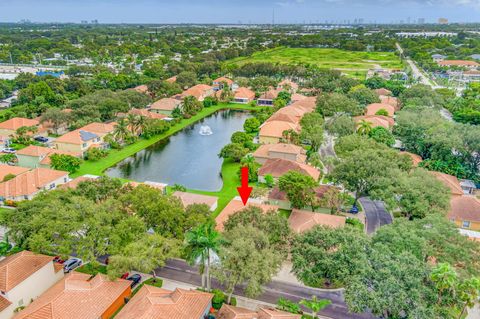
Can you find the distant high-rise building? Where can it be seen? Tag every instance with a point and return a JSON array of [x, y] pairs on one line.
[[360, 21], [421, 20], [94, 21], [442, 21]]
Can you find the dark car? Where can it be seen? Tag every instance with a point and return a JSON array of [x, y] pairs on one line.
[[71, 264], [354, 210], [41, 139], [135, 279]]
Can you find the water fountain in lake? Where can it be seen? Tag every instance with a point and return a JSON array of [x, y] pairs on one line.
[[205, 130]]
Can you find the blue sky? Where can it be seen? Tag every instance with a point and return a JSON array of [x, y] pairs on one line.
[[234, 11]]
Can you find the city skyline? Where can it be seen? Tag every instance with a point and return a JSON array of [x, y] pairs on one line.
[[245, 12]]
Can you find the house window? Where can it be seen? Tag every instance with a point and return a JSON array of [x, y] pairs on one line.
[[52, 186], [84, 145], [466, 224], [65, 179], [20, 302]]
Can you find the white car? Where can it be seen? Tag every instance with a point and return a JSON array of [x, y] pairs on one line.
[[71, 264]]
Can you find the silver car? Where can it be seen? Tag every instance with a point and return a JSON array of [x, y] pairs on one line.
[[71, 264]]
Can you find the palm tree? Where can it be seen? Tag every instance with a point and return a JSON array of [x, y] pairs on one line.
[[315, 305], [201, 243], [121, 132], [364, 127], [141, 123], [132, 122]]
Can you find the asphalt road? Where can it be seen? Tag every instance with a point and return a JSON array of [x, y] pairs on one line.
[[179, 270], [375, 213]]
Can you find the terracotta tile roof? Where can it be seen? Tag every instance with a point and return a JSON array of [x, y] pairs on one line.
[[373, 108], [458, 63], [30, 182], [302, 220], [74, 182], [236, 205], [78, 137], [278, 167], [376, 120], [270, 94], [465, 208], [277, 194], [45, 152], [223, 79], [76, 296], [292, 84], [166, 104], [416, 159], [276, 128], [296, 109], [4, 303], [393, 101], [297, 97], [199, 91], [287, 148], [173, 79], [147, 114], [282, 117], [157, 303], [141, 89], [231, 312], [268, 313], [8, 169], [266, 151], [450, 181], [16, 268], [99, 128], [189, 199], [17, 122], [244, 93], [308, 104], [383, 91]]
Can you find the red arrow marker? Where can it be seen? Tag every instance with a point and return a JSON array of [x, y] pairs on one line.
[[244, 190]]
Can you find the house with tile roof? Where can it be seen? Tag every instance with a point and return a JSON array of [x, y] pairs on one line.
[[280, 199], [465, 212], [376, 121], [172, 79], [220, 82], [277, 167], [157, 303], [301, 221], [190, 199], [143, 113], [79, 296], [10, 127], [243, 95], [393, 101], [34, 156], [374, 108], [232, 312], [80, 140], [25, 276], [199, 91], [28, 184], [266, 99], [165, 106], [236, 205], [271, 132], [459, 63], [141, 89], [416, 159], [281, 150], [450, 181], [288, 85], [6, 170], [383, 91]]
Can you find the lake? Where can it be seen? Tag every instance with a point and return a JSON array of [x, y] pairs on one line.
[[189, 157]]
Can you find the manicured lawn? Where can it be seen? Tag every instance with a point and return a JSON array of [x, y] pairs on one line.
[[115, 156], [92, 270], [354, 63]]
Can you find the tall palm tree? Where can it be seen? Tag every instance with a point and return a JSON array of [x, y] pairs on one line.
[[132, 122], [364, 127], [141, 123], [201, 244], [315, 305], [121, 131]]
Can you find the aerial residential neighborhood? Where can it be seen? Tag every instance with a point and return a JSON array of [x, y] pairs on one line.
[[239, 160]]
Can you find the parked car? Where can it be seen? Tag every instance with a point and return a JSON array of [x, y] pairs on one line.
[[125, 275], [71, 264], [135, 279], [9, 150], [41, 139], [354, 210]]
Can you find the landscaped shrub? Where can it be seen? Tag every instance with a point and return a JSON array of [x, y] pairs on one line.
[[94, 154], [218, 298], [382, 112], [10, 203]]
